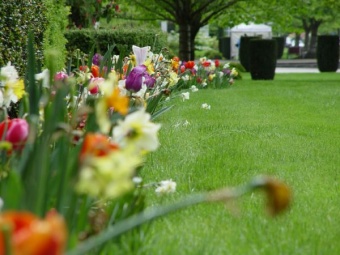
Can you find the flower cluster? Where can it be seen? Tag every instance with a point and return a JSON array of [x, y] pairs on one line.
[[205, 73]]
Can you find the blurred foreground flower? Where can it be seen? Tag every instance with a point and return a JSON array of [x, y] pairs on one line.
[[279, 195], [14, 131], [109, 176], [28, 235]]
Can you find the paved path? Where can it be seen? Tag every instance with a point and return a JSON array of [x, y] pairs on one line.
[[298, 70]]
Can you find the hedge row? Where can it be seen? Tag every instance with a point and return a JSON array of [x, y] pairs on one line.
[[17, 18], [122, 39]]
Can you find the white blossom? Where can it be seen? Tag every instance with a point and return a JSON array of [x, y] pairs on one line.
[[193, 88], [185, 96], [205, 106], [166, 187]]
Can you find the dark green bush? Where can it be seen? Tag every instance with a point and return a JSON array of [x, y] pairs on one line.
[[262, 59], [280, 42], [327, 53], [244, 51], [123, 39], [17, 18]]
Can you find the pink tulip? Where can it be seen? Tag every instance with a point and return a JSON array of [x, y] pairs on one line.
[[14, 131]]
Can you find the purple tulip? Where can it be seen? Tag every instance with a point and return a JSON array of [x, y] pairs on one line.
[[226, 71], [134, 80], [149, 80], [97, 58]]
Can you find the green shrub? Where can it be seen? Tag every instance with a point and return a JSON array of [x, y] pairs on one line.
[[210, 54], [328, 53], [54, 38], [17, 18], [244, 50], [123, 39], [262, 61]]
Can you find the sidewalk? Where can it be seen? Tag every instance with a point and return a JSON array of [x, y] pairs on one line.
[[298, 70]]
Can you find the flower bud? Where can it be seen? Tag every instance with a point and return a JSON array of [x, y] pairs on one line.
[[14, 131]]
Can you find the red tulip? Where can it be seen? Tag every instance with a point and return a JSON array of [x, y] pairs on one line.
[[14, 131], [29, 235], [189, 64]]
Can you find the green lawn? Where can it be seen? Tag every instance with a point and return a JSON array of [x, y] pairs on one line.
[[288, 128]]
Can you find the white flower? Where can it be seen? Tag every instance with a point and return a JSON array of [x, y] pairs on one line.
[[45, 77], [140, 53], [185, 77], [9, 73], [137, 180], [1, 203], [166, 187], [227, 65], [205, 106], [234, 72], [96, 25], [185, 96], [186, 123], [137, 130], [193, 88]]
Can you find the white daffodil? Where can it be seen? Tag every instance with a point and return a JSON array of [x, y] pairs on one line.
[[186, 123], [44, 76], [205, 106], [227, 65], [185, 96], [193, 88], [185, 77], [137, 180], [137, 130], [9, 73], [166, 187]]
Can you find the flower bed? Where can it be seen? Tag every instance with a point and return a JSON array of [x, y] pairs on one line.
[[72, 152]]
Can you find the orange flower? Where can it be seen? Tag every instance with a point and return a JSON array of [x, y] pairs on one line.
[[95, 70], [118, 102], [97, 145], [175, 63], [32, 236]]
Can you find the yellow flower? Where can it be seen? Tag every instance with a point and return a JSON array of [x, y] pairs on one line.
[[118, 102], [211, 77], [173, 78], [133, 60], [19, 88], [149, 66], [110, 176]]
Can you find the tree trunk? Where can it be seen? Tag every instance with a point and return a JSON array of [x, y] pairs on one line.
[[185, 42], [187, 34], [306, 28], [311, 53]]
